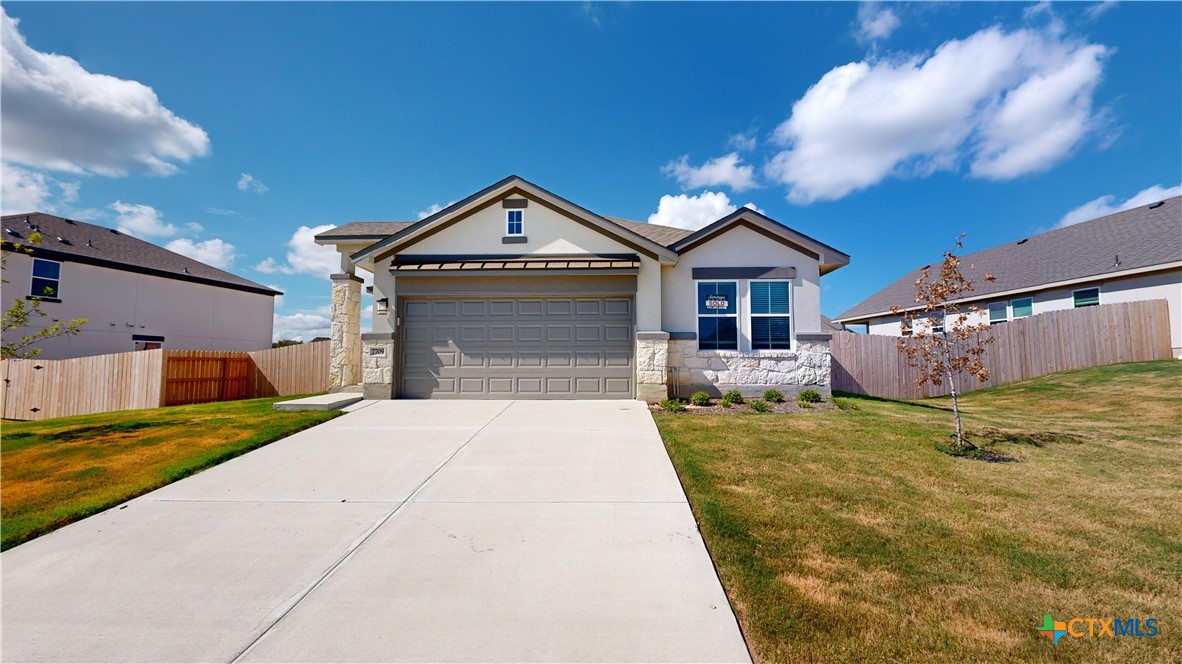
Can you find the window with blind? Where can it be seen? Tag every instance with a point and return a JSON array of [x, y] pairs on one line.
[[718, 315], [769, 315], [998, 312], [1023, 307], [1087, 297]]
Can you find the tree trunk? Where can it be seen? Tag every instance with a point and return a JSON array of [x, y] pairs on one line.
[[956, 412]]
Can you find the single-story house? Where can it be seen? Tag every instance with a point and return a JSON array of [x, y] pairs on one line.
[[134, 294], [1128, 256], [515, 292]]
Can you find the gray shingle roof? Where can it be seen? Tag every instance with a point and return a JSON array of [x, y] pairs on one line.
[[1141, 237], [662, 235], [98, 245], [366, 229]]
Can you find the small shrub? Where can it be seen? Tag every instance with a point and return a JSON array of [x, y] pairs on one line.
[[760, 406], [700, 399], [733, 396], [809, 396], [773, 396], [726, 403], [673, 405], [803, 404]]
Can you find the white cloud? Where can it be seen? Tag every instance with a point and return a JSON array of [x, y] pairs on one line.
[[1099, 9], [876, 22], [60, 117], [142, 221], [278, 298], [195, 227], [222, 212], [25, 190], [1106, 205], [435, 207], [249, 183], [1027, 105], [744, 142], [301, 326], [694, 212], [304, 256], [725, 171], [215, 251]]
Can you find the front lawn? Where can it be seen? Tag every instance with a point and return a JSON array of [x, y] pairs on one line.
[[57, 471], [845, 536]]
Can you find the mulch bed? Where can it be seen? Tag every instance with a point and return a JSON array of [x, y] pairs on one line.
[[785, 407]]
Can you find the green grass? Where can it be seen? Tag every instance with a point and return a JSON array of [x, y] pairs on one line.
[[58, 471], [845, 536]]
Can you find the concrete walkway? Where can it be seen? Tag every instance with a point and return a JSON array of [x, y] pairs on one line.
[[403, 531]]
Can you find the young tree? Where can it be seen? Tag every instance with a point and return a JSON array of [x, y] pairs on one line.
[[944, 344], [23, 312]]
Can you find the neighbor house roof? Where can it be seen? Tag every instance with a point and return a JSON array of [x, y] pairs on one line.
[[1136, 239], [68, 240]]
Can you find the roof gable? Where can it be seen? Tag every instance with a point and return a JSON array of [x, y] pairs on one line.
[[511, 187], [1139, 238], [829, 258]]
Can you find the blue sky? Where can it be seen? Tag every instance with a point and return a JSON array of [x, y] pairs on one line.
[[231, 131]]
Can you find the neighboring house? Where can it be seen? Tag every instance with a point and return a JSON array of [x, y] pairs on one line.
[[515, 292], [1123, 257], [134, 294]]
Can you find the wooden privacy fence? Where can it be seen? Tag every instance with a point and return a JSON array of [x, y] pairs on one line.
[[1024, 348], [36, 389]]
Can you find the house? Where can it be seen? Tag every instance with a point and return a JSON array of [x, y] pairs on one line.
[[1127, 256], [134, 294], [515, 292]]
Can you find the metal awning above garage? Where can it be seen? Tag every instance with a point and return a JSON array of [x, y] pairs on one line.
[[532, 264]]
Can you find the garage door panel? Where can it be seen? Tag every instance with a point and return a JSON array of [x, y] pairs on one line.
[[558, 333], [525, 347]]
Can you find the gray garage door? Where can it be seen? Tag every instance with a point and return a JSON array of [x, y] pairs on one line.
[[517, 347]]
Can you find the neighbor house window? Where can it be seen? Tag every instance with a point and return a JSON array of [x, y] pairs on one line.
[[905, 328], [1086, 297], [47, 277], [718, 315], [998, 312], [147, 342], [514, 222], [769, 315], [936, 323], [1023, 307]]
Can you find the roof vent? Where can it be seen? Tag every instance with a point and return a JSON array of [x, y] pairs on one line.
[[113, 231], [62, 240], [186, 270], [12, 232], [1023, 240], [1116, 260], [70, 221], [89, 244], [1154, 206]]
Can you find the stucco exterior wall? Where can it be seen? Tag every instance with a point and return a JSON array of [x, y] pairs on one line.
[[741, 247], [120, 304], [1165, 285]]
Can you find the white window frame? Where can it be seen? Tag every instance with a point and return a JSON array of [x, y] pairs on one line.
[[906, 329], [737, 316], [1099, 298], [57, 292], [1014, 316], [750, 316], [989, 313], [509, 220]]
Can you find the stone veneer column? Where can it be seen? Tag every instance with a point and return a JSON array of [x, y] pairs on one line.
[[377, 365], [652, 366], [344, 364], [814, 363]]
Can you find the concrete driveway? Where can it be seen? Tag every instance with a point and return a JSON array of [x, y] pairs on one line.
[[404, 531]]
